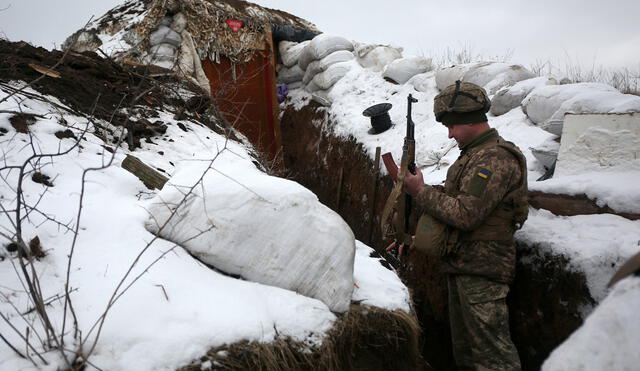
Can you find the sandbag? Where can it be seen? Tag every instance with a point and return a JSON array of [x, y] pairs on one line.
[[164, 34], [543, 102], [321, 46], [335, 72], [290, 51], [259, 227], [424, 82], [509, 98], [376, 57], [179, 22], [162, 50], [401, 70], [311, 87], [321, 65], [295, 85], [448, 76], [189, 62], [493, 76], [322, 97], [291, 74]]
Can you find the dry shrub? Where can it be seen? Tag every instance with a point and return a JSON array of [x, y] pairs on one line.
[[365, 338]]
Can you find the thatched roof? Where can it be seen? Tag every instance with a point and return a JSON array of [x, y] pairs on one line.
[[135, 20]]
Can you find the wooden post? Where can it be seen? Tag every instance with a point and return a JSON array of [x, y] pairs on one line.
[[339, 189], [151, 178], [374, 193]]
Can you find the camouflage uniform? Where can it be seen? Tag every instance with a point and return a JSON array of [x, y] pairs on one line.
[[483, 192]]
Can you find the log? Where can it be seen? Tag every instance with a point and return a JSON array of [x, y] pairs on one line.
[[567, 205], [150, 177]]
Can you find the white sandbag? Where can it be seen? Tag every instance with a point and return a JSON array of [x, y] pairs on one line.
[[290, 51], [448, 76], [543, 102], [189, 62], [322, 97], [263, 228], [295, 85], [376, 57], [312, 69], [291, 74], [321, 65], [401, 70], [335, 72], [162, 55], [321, 46], [311, 86], [179, 22], [424, 82], [166, 21], [509, 98], [162, 50], [165, 34], [598, 102], [493, 76]]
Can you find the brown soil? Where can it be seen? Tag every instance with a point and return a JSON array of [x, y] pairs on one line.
[[21, 122], [545, 303], [573, 205], [43, 179], [98, 87]]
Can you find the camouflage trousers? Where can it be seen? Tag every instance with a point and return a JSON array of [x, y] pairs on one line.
[[479, 320]]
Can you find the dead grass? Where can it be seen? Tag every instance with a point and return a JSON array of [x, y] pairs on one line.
[[626, 80], [365, 338]]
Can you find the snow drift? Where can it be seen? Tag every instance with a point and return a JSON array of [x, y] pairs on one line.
[[262, 228]]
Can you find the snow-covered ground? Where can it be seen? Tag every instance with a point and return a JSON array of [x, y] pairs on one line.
[[167, 308]]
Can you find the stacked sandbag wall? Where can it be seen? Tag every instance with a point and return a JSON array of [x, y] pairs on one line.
[[164, 43], [543, 99], [325, 60]]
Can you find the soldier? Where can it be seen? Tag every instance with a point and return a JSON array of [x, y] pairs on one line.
[[482, 204]]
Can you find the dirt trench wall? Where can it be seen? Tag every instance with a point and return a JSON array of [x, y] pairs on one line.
[[545, 300]]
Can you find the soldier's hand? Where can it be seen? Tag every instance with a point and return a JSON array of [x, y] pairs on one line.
[[401, 247], [413, 184]]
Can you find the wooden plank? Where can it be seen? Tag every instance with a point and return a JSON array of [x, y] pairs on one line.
[[150, 177], [568, 205], [374, 194]]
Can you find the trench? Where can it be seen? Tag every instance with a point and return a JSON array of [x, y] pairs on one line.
[[545, 299]]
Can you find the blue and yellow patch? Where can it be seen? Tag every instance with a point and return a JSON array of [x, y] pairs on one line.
[[485, 174], [479, 182]]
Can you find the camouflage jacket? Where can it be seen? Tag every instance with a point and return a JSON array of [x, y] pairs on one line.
[[477, 204]]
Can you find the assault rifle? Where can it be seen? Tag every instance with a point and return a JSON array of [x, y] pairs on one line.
[[403, 207]]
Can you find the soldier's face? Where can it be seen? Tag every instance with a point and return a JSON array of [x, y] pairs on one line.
[[463, 134]]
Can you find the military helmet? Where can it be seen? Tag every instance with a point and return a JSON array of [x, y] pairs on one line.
[[461, 103]]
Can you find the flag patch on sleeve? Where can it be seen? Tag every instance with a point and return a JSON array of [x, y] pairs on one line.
[[479, 181], [484, 174]]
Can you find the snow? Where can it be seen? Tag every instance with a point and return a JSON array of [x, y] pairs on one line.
[[609, 338], [263, 228], [167, 308], [377, 288], [551, 102], [596, 245]]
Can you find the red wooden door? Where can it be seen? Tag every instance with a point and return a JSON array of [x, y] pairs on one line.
[[246, 97]]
